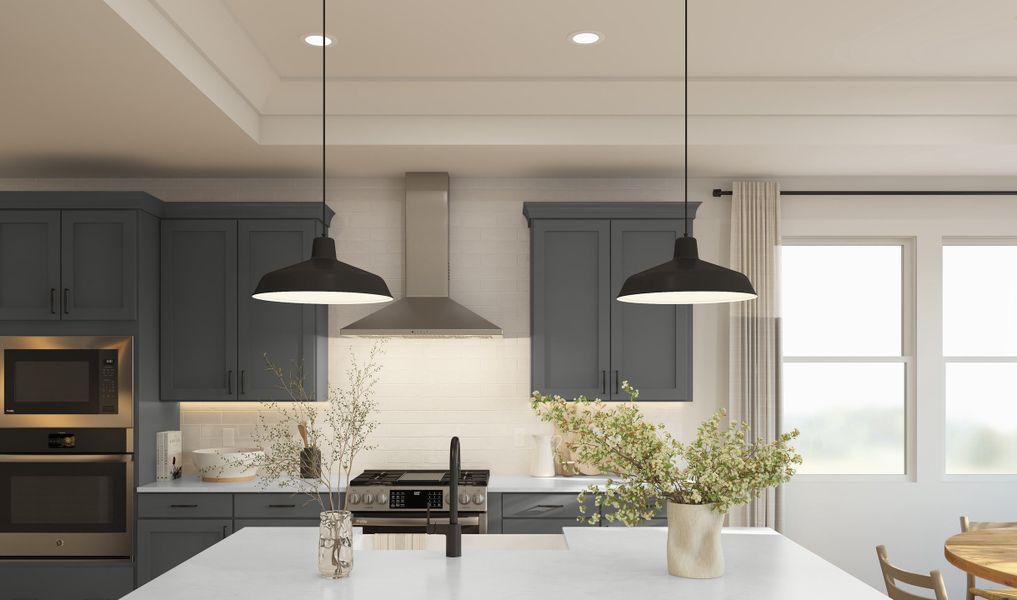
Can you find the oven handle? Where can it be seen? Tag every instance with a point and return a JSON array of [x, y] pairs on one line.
[[410, 521], [91, 458]]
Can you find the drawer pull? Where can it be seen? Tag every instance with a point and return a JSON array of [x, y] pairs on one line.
[[542, 508], [183, 506], [282, 505]]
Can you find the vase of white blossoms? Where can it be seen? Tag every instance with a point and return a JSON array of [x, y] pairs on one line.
[[332, 434], [699, 482]]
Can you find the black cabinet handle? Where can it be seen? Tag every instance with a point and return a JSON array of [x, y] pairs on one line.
[[243, 381], [229, 382], [603, 382], [183, 506], [541, 509], [617, 382], [67, 303], [224, 533], [52, 301], [282, 505]]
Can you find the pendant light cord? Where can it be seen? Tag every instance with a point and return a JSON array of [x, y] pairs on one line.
[[685, 156], [324, 120]]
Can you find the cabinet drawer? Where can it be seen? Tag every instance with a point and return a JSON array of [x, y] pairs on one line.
[[539, 525], [275, 506], [241, 523], [544, 506], [185, 506]]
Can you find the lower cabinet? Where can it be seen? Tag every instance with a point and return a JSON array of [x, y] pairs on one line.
[[543, 513], [66, 581], [165, 543]]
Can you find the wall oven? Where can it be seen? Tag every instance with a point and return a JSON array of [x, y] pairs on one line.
[[66, 493], [67, 381]]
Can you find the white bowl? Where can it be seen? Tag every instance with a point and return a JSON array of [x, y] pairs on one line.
[[227, 464]]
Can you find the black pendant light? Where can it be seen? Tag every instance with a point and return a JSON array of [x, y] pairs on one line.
[[685, 279], [322, 279]]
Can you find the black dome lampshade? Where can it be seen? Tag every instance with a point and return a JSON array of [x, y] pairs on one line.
[[685, 279], [322, 280]]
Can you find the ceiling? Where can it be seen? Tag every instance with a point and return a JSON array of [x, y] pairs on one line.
[[227, 88]]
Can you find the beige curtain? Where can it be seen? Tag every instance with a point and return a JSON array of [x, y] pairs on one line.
[[755, 355]]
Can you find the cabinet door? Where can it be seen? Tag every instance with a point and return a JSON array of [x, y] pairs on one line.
[[571, 287], [99, 265], [165, 543], [199, 310], [285, 333], [651, 346], [29, 264]]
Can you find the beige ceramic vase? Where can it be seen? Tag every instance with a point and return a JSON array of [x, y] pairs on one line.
[[693, 541]]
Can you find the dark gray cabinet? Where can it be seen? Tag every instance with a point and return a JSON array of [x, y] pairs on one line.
[[585, 342], [29, 264], [214, 335], [543, 513], [199, 310], [651, 346], [283, 332], [165, 543], [69, 265], [99, 253], [66, 580], [571, 286]]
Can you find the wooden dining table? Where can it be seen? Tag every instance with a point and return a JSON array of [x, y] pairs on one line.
[[987, 553]]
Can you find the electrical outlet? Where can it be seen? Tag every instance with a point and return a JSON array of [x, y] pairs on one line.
[[520, 435], [229, 437]]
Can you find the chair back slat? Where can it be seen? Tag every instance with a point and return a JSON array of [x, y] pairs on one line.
[[892, 575]]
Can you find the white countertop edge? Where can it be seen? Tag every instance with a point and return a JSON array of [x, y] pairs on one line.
[[192, 484]]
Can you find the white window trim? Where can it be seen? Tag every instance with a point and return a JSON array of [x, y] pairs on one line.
[[969, 477], [908, 350]]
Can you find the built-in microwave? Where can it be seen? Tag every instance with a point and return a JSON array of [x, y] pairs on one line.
[[67, 381]]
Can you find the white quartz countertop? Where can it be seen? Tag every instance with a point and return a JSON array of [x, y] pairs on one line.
[[498, 484], [600, 562]]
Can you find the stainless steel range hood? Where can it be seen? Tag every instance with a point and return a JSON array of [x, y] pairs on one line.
[[426, 311]]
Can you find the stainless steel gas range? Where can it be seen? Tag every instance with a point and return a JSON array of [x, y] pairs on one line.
[[404, 501]]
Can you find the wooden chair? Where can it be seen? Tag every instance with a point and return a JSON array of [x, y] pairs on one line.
[[973, 591], [892, 575]]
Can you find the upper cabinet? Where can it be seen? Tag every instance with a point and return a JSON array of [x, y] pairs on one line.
[[69, 265], [585, 342], [215, 337]]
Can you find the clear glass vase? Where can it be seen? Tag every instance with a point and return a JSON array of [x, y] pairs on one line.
[[335, 544]]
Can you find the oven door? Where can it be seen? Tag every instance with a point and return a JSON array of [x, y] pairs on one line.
[[414, 522], [66, 506]]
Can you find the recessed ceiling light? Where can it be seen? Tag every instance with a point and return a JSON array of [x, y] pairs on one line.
[[315, 39], [585, 38]]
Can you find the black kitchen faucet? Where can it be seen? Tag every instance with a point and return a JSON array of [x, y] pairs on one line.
[[453, 531]]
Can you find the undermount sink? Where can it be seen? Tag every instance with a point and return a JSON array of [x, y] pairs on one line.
[[421, 541]]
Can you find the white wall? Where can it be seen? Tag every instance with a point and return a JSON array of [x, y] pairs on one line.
[[843, 521]]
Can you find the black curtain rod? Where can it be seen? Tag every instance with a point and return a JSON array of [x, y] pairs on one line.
[[717, 193]]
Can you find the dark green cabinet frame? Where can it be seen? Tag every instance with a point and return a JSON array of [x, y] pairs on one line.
[[584, 342]]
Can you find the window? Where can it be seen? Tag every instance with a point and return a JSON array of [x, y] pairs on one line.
[[980, 351], [846, 352]]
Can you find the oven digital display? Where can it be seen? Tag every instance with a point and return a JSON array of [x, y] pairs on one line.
[[420, 499]]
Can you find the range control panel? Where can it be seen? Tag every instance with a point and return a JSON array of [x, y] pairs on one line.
[[395, 498]]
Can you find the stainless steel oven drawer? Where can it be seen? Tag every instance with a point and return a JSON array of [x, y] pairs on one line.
[[185, 506]]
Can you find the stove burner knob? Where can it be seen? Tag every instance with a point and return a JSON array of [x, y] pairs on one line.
[[464, 498], [368, 498], [354, 498], [478, 498], [381, 498]]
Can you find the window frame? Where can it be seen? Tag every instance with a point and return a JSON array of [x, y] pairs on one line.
[[907, 356], [947, 360]]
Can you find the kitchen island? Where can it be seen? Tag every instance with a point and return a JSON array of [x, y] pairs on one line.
[[276, 563]]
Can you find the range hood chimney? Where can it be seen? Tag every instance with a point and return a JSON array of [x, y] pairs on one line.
[[426, 311]]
